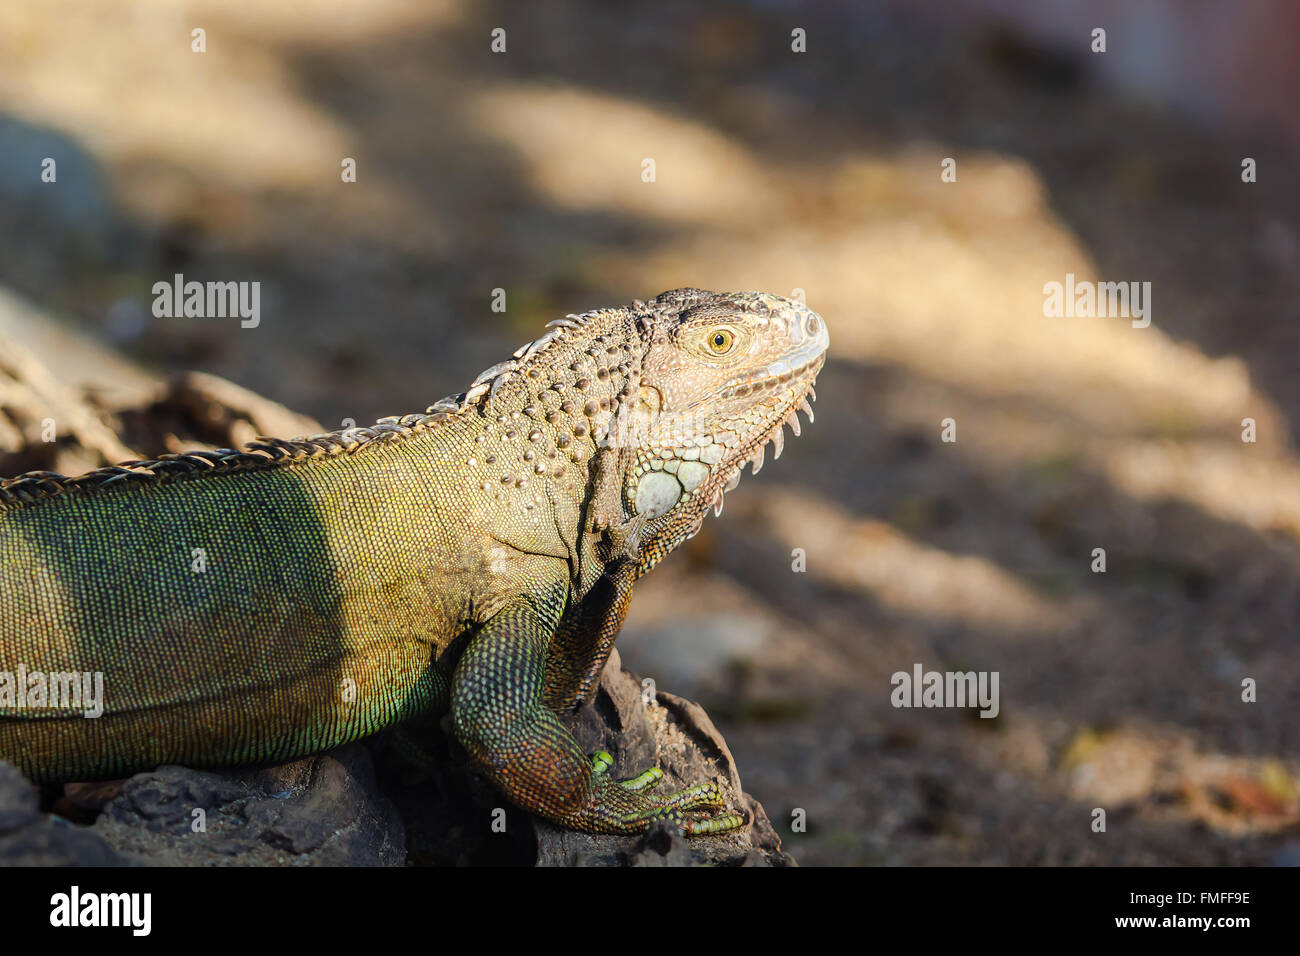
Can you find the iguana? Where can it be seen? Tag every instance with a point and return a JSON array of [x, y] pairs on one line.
[[256, 605]]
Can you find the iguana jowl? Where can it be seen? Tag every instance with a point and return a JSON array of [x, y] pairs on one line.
[[478, 558]]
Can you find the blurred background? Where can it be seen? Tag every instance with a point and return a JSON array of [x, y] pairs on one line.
[[775, 170]]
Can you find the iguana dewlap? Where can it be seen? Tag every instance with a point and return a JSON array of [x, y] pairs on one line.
[[258, 605]]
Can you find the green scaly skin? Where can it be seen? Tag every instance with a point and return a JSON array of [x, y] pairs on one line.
[[259, 605]]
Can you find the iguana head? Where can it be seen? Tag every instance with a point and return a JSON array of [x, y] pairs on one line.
[[721, 374]]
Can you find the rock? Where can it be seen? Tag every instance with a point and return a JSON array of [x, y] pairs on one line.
[[321, 811], [18, 804], [89, 798], [29, 839]]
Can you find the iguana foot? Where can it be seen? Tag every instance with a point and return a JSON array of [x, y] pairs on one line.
[[626, 806]]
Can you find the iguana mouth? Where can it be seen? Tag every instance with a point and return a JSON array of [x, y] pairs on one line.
[[707, 466], [754, 454]]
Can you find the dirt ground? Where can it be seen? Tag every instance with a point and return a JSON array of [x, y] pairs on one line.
[[818, 172]]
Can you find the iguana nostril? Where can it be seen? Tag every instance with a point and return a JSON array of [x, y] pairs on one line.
[[813, 324]]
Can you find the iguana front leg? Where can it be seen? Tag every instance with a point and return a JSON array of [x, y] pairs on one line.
[[501, 719], [584, 638], [609, 551]]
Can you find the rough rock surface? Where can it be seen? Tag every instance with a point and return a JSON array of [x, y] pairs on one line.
[[324, 810], [29, 838], [320, 811]]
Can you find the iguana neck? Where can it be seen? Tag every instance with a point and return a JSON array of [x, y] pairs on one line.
[[540, 428]]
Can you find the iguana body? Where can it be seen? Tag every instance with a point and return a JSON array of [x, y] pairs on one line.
[[258, 605]]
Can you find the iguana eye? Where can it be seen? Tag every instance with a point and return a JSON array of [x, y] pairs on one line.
[[720, 341]]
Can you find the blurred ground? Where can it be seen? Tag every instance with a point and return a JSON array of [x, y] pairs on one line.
[[775, 171]]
